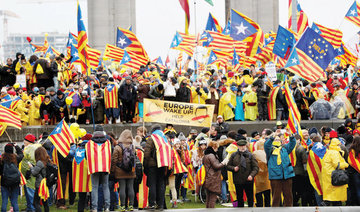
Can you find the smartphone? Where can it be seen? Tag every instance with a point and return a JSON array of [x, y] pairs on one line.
[[282, 131]]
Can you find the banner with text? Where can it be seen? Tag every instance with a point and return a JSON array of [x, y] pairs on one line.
[[179, 113]]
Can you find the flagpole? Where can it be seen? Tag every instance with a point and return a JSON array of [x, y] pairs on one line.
[[88, 83], [196, 40], [8, 136]]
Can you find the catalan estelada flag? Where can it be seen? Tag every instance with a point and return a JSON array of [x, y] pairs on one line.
[[62, 137], [200, 175], [111, 96], [127, 40], [213, 24], [81, 179], [314, 166], [184, 42], [163, 149], [12, 103], [354, 160], [98, 156], [231, 186], [113, 52], [294, 114], [353, 14], [302, 20], [37, 48], [82, 42], [9, 118], [179, 167], [143, 194]]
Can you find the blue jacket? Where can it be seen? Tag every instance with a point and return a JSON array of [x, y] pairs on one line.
[[284, 170]]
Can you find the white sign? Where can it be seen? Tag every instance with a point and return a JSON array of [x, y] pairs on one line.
[[271, 71], [21, 79]]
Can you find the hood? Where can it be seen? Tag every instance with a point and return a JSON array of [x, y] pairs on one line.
[[126, 137], [210, 150], [226, 142], [99, 137], [335, 144]]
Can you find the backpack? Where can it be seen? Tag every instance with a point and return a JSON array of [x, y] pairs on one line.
[[138, 170], [128, 158], [39, 69], [51, 174], [11, 175]]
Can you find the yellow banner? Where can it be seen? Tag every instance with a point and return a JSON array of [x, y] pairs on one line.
[[179, 113]]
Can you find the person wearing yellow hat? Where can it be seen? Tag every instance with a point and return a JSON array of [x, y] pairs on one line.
[[280, 168]]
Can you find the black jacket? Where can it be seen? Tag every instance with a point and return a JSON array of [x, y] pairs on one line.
[[7, 78], [127, 93], [183, 94], [48, 108], [60, 103], [246, 168], [46, 68]]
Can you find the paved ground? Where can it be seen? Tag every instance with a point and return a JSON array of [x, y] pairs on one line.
[[293, 209]]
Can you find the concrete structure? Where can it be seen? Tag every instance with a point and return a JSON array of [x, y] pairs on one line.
[[264, 12], [105, 16], [18, 43], [249, 126]]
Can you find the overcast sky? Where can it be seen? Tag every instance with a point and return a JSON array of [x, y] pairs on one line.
[[159, 19]]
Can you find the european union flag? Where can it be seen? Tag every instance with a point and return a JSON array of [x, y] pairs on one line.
[[122, 41], [226, 30], [126, 58], [212, 57], [74, 53], [239, 27], [284, 42], [176, 40], [317, 48]]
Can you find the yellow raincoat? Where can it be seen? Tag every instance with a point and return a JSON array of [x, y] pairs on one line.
[[224, 109], [329, 163], [251, 112], [27, 66], [22, 110], [196, 98], [34, 113]]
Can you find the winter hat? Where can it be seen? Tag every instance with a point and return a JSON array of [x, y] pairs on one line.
[[181, 136], [86, 137], [99, 128], [313, 130], [205, 130], [155, 127], [9, 148], [256, 133], [30, 138], [333, 134], [176, 141], [59, 92], [241, 142], [242, 131], [223, 137]]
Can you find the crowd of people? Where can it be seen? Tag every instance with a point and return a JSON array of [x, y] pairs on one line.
[[56, 89], [263, 169]]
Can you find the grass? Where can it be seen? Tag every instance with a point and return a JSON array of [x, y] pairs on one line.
[[188, 205]]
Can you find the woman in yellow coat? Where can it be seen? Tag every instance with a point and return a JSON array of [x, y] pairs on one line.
[[227, 103], [332, 159], [198, 94], [250, 102]]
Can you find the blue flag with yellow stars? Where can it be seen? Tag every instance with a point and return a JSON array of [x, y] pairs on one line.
[[317, 48], [284, 43]]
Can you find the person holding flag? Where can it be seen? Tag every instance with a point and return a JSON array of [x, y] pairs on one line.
[[280, 168]]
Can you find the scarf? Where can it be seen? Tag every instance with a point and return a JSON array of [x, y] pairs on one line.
[[276, 151]]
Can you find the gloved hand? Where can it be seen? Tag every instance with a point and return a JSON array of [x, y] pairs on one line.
[[198, 90], [225, 161], [231, 106]]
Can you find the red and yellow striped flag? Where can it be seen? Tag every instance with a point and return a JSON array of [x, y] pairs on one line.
[[272, 103], [9, 118], [98, 156], [179, 167], [290, 14], [143, 194], [354, 160], [185, 5], [81, 178], [62, 137], [59, 190], [189, 180], [43, 190], [334, 36], [200, 175], [22, 179], [113, 52], [111, 96], [163, 149], [82, 42], [314, 171]]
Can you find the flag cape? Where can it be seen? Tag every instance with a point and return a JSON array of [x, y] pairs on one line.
[[354, 161], [163, 149], [200, 175], [111, 96], [62, 137], [314, 171], [143, 193], [59, 190], [189, 180], [98, 156], [231, 185], [179, 167], [81, 178]]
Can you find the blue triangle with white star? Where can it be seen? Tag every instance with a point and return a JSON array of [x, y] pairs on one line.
[[126, 58], [212, 57], [122, 41], [293, 59], [240, 28]]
